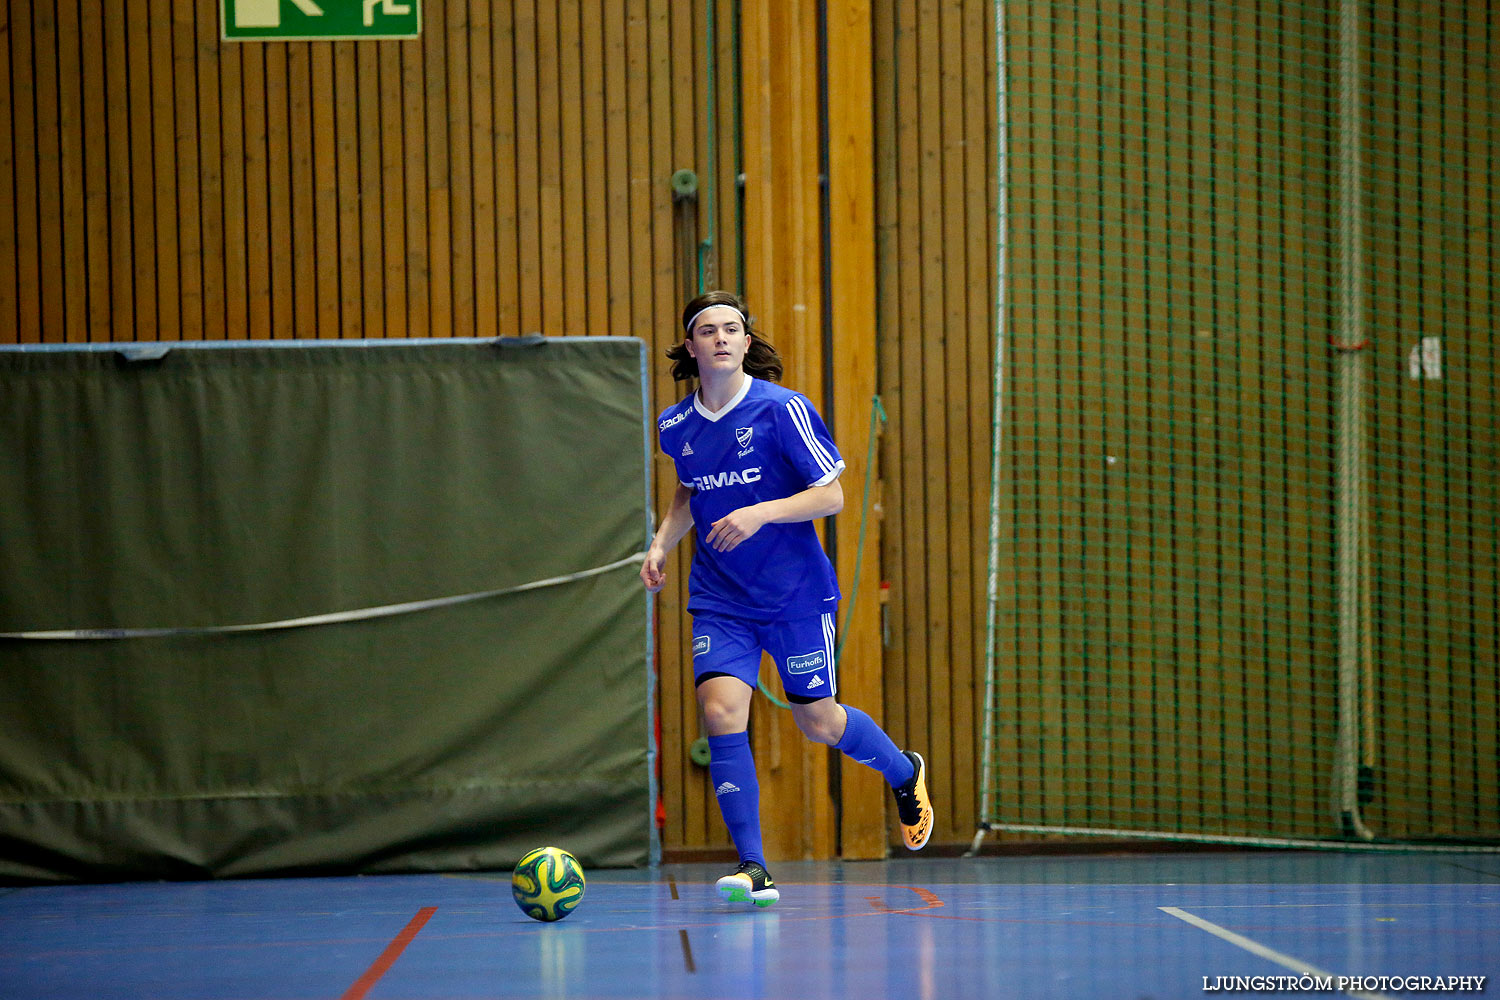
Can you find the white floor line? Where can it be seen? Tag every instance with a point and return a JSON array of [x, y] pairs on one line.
[[1256, 948]]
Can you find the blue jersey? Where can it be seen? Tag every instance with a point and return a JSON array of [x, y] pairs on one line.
[[767, 444]]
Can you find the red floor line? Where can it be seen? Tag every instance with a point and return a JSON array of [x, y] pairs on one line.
[[388, 957]]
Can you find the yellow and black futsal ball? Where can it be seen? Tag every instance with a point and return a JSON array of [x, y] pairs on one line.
[[547, 883]]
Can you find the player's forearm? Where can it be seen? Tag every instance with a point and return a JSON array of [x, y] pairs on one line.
[[809, 505], [678, 521]]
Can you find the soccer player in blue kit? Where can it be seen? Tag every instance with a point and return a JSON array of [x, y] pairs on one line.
[[755, 467]]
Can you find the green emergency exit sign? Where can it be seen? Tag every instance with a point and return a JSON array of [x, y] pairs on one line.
[[320, 20]]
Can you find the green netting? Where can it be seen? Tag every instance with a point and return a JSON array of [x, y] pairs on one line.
[[1246, 545]]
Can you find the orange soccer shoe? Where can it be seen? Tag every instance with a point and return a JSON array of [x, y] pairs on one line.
[[913, 805]]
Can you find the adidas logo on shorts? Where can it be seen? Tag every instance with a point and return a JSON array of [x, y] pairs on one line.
[[816, 682], [726, 788]]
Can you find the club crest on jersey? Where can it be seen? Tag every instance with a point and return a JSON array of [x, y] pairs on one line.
[[806, 664], [739, 477], [742, 435]]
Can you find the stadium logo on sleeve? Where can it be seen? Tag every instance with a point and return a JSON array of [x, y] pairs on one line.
[[672, 420], [806, 664]]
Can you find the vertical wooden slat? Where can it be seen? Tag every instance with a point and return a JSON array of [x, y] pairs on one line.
[[1073, 61], [1457, 484], [1255, 358], [593, 275], [436, 171], [10, 264], [350, 249], [507, 138], [49, 194], [234, 157], [144, 249], [905, 705], [950, 711], [1172, 354], [459, 177], [210, 120], [1433, 430], [261, 120], [781, 169], [726, 253], [657, 265], [304, 194], [1014, 646], [696, 809], [852, 283], [281, 188], [168, 286], [885, 88], [1397, 799], [1110, 622], [71, 226], [638, 158], [573, 316], [415, 268], [93, 56], [28, 326], [1241, 332], [322, 184], [1154, 401], [1088, 557], [186, 156], [528, 178], [549, 169], [1050, 412], [394, 190], [1481, 46], [1198, 605], [1298, 435], [978, 151], [617, 134], [484, 150]]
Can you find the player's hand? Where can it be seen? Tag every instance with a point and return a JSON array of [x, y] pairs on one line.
[[653, 572], [734, 527]]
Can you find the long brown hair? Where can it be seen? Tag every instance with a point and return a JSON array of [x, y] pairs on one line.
[[761, 359]]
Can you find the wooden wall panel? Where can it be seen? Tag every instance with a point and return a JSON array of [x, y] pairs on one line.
[[934, 89], [505, 173], [782, 284]]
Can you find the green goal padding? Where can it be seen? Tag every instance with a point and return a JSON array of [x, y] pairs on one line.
[[453, 721]]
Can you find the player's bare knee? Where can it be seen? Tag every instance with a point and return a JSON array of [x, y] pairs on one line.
[[819, 721], [721, 717]]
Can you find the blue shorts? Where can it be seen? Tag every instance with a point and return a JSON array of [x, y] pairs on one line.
[[802, 648]]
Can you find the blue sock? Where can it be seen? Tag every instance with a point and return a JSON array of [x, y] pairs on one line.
[[867, 743], [732, 770]]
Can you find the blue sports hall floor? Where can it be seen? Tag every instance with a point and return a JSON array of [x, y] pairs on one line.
[[1120, 926]]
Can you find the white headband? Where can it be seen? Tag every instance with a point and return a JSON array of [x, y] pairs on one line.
[[721, 305]]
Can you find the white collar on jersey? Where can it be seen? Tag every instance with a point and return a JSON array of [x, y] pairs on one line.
[[713, 417]]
